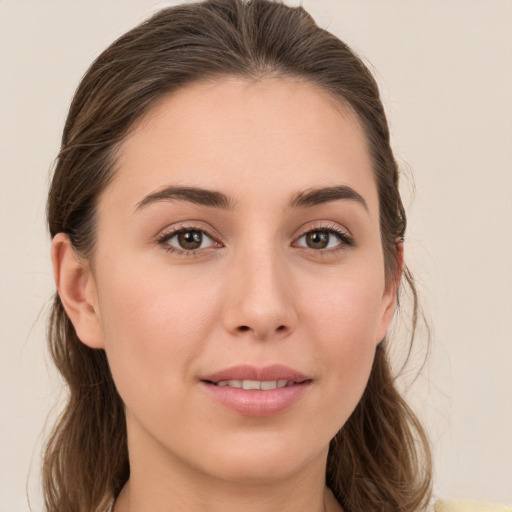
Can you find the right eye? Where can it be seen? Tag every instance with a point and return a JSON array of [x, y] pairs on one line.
[[187, 240]]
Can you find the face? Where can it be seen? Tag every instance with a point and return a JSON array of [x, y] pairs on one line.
[[238, 247]]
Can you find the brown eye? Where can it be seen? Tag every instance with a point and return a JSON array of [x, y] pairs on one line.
[[324, 238], [190, 240], [187, 240], [317, 239]]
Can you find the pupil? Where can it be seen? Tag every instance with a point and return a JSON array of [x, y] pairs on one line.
[[317, 239], [190, 239]]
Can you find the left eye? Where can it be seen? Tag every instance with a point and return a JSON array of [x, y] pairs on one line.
[[189, 240], [320, 239]]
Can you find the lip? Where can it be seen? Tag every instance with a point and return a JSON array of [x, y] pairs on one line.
[[257, 403], [249, 372]]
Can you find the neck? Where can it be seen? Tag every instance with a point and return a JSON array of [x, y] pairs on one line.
[[160, 482], [134, 499]]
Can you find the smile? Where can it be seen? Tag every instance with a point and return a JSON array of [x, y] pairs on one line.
[[257, 392], [255, 384]]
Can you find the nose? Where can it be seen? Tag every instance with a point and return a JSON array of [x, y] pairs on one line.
[[259, 299]]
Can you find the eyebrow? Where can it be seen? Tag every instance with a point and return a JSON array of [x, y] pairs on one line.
[[317, 196], [194, 195], [215, 199]]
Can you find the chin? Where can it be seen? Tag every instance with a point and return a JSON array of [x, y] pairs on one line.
[[263, 461], [261, 472]]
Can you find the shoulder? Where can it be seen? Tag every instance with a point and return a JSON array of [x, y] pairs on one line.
[[469, 506]]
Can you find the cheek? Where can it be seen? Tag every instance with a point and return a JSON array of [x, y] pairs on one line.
[[347, 306], [344, 320], [154, 326]]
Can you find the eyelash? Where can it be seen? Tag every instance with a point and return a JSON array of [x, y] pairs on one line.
[[345, 240], [167, 236]]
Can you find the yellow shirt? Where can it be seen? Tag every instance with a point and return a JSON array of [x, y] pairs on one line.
[[469, 506]]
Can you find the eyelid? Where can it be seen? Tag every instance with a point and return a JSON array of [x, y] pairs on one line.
[[345, 237], [173, 230]]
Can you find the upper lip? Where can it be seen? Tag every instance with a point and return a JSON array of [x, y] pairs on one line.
[[249, 372]]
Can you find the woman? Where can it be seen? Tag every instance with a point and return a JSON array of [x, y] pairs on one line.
[[227, 248]]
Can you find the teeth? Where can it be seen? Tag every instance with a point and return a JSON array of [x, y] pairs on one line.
[[255, 384], [251, 384]]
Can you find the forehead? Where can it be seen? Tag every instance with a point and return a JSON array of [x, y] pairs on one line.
[[249, 136]]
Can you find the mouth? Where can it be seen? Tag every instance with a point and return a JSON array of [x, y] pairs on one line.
[[257, 392], [258, 385]]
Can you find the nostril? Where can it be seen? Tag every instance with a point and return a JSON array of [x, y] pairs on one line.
[[246, 328]]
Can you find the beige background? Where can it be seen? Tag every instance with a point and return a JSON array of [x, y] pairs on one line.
[[445, 68]]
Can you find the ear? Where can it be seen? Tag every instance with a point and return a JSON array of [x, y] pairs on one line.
[[77, 290], [389, 298]]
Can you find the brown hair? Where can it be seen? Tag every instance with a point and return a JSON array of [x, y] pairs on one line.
[[380, 458]]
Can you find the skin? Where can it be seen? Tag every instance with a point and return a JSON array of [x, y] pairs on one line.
[[253, 293]]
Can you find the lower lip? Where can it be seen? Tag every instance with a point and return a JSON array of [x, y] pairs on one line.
[[258, 403]]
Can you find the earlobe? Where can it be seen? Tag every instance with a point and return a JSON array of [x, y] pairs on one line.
[[77, 290], [389, 299]]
